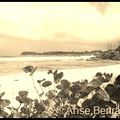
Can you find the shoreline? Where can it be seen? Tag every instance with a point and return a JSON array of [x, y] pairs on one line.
[[10, 67], [12, 84]]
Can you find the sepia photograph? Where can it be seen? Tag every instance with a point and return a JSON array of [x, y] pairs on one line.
[[59, 59]]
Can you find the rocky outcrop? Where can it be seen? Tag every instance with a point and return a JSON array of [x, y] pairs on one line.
[[111, 54]]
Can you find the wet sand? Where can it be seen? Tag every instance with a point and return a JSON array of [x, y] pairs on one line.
[[10, 67]]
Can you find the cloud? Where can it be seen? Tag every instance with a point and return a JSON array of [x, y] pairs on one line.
[[100, 6], [57, 26], [10, 45]]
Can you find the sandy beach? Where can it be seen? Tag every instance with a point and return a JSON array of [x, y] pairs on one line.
[[11, 84]]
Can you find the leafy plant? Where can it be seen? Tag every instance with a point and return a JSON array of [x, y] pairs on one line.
[[3, 103], [63, 95]]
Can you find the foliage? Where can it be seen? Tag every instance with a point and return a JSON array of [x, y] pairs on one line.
[[64, 95]]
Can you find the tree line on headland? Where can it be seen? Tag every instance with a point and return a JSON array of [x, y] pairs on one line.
[[112, 54], [60, 53]]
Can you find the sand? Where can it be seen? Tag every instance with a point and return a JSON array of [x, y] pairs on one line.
[[12, 84]]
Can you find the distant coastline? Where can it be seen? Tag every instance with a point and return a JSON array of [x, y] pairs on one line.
[[27, 53]]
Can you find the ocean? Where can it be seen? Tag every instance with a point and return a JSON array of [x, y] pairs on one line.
[[12, 65]]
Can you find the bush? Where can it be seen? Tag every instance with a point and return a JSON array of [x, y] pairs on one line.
[[65, 95]]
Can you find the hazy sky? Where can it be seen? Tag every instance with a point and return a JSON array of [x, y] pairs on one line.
[[47, 26]]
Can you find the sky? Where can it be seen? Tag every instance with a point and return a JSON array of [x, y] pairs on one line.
[[53, 26]]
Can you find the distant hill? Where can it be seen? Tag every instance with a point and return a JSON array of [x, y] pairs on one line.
[[59, 53], [30, 53], [51, 53]]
